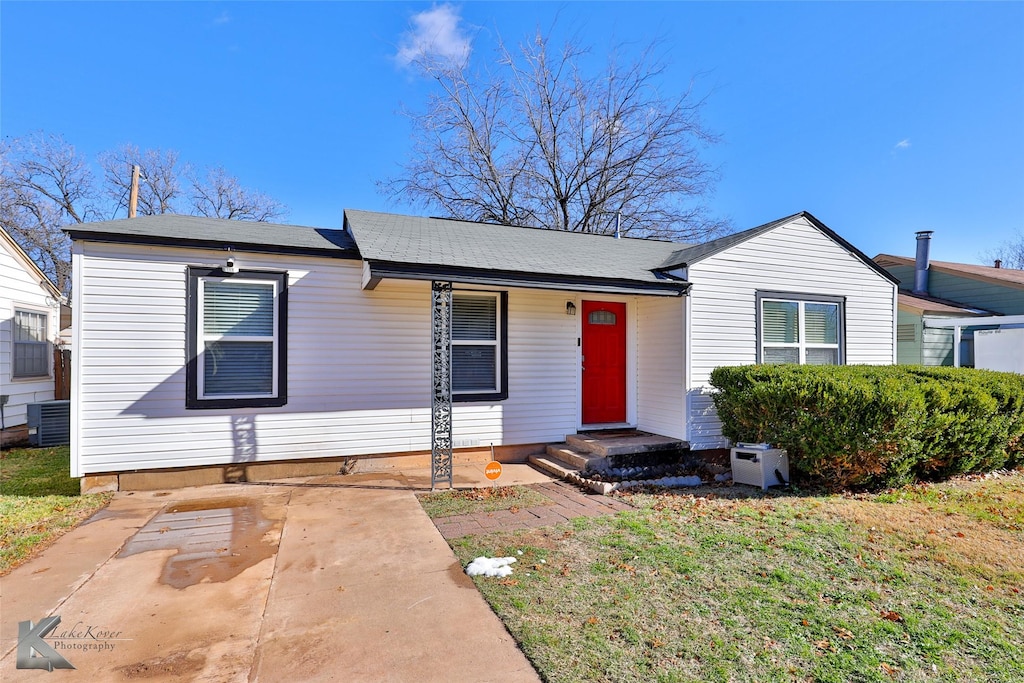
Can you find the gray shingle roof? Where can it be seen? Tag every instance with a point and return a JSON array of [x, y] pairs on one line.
[[434, 248], [460, 244], [174, 229], [693, 253]]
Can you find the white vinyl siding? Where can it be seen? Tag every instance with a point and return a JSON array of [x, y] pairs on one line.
[[359, 366], [795, 257], [20, 290], [661, 393]]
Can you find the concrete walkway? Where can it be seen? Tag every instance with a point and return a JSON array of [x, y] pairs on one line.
[[320, 579]]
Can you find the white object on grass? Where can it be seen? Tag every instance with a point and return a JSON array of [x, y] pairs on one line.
[[490, 566]]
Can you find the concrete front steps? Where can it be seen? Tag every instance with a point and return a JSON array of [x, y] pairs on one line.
[[596, 450]]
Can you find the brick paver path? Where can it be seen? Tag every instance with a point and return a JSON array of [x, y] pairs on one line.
[[569, 502]]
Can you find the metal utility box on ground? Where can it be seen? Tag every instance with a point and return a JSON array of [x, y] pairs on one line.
[[49, 423], [759, 465]]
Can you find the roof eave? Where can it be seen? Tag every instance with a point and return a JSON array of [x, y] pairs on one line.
[[200, 243], [378, 270]]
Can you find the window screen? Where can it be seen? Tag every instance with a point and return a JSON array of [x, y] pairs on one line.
[[802, 331], [31, 347], [475, 341]]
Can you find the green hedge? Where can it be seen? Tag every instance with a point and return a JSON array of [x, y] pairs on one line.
[[873, 426]]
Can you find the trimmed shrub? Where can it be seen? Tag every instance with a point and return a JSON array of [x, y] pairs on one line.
[[875, 426]]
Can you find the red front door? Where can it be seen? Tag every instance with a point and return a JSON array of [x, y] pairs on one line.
[[604, 362]]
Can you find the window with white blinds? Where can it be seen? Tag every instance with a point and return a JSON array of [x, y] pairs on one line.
[[476, 341], [31, 349], [804, 331], [237, 338]]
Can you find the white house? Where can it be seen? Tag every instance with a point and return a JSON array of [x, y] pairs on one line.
[[29, 322], [203, 343]]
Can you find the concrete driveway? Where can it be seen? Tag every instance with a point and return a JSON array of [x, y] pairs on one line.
[[329, 578]]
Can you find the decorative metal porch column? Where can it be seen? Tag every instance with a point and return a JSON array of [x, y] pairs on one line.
[[441, 376]]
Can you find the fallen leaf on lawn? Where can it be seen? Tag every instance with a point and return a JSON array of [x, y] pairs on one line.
[[804, 622], [843, 633], [891, 671], [657, 642], [509, 582], [514, 510], [824, 646], [891, 616], [959, 534], [593, 620], [565, 571]]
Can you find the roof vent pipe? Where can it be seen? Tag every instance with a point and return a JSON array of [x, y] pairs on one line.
[[924, 240], [999, 263]]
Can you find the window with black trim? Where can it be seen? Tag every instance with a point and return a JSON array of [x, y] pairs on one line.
[[31, 351], [801, 329], [479, 346], [237, 337]]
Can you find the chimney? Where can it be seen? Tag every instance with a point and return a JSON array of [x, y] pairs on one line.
[[924, 241], [999, 264]]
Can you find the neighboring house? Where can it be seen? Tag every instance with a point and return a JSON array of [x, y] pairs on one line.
[[29, 320], [205, 342], [937, 299]]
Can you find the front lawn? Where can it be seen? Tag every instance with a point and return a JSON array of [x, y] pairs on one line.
[[921, 583], [39, 501]]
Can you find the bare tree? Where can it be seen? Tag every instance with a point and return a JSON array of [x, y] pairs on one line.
[[542, 143], [45, 185], [1010, 253], [219, 195], [159, 186]]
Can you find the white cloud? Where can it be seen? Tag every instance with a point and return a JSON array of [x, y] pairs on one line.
[[434, 34], [221, 19], [903, 144]]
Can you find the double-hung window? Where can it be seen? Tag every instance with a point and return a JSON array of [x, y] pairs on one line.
[[31, 352], [800, 329], [237, 339], [479, 346]]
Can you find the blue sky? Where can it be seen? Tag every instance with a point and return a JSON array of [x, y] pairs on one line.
[[879, 118]]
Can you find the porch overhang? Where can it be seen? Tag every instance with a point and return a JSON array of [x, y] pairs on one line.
[[957, 325], [660, 285]]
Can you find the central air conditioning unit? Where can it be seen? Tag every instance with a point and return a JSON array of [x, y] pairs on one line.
[[49, 423], [757, 464]]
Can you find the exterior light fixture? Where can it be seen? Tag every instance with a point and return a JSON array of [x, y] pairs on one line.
[[570, 308], [230, 266]]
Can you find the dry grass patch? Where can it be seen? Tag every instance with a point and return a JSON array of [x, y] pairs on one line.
[[485, 499], [773, 588]]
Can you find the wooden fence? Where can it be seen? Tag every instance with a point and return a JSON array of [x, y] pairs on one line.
[[61, 374]]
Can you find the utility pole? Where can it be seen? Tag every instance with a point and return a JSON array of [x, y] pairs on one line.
[[133, 195]]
